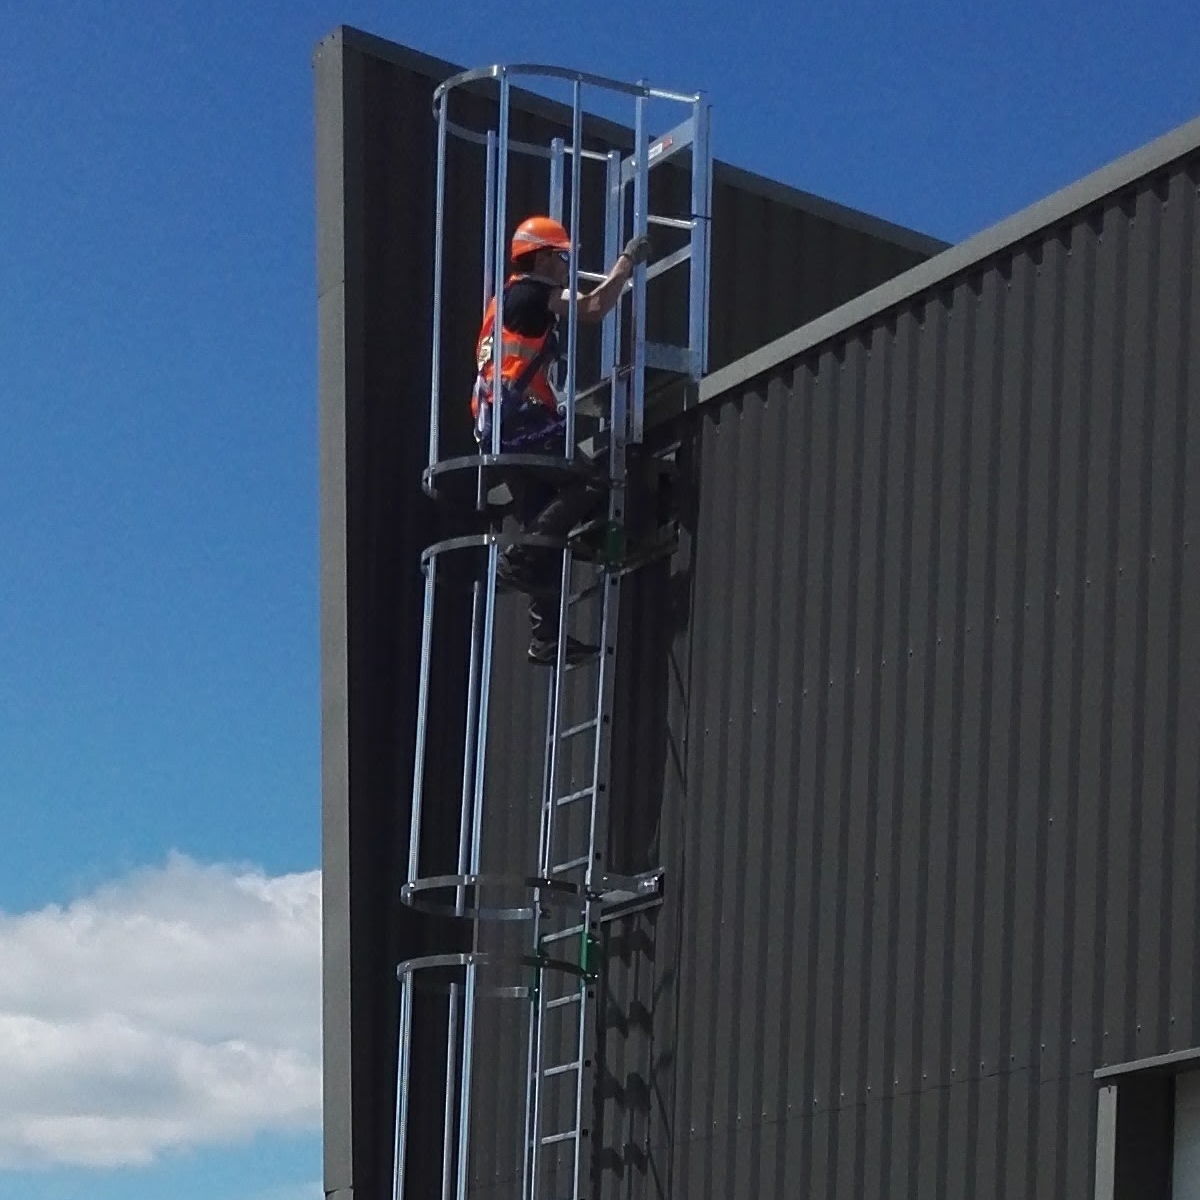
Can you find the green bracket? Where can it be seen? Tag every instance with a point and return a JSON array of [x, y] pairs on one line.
[[589, 950], [616, 542]]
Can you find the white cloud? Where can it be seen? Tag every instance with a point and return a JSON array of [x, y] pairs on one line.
[[177, 1007]]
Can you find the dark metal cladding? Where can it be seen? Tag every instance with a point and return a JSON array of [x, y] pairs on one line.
[[909, 720], [926, 795], [779, 259]]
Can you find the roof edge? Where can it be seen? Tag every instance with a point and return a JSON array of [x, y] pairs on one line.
[[1117, 175], [1159, 1062], [437, 69], [393, 52], [856, 219]]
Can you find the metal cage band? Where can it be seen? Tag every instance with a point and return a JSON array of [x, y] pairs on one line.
[[434, 962], [558, 892], [459, 480]]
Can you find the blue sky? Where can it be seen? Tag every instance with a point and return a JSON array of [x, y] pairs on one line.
[[159, 675]]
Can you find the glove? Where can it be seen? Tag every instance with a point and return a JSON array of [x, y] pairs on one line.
[[638, 249]]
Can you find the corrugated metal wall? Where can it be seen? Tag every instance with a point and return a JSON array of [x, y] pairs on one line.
[[778, 259], [931, 832], [911, 723]]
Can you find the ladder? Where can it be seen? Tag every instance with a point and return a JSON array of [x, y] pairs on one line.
[[579, 713], [572, 891]]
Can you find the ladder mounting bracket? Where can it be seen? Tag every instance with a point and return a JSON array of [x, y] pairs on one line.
[[624, 895]]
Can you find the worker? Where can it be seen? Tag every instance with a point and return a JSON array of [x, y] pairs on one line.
[[532, 419]]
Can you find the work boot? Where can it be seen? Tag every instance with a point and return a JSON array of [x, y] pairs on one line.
[[545, 654], [520, 575]]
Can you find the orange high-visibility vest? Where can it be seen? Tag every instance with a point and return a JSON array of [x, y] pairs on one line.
[[516, 352]]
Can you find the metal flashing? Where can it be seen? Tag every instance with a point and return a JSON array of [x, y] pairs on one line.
[[1141, 1066], [1059, 206]]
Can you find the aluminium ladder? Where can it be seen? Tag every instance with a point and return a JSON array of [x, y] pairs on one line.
[[571, 892]]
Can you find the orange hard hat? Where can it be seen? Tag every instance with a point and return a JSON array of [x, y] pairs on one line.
[[539, 233]]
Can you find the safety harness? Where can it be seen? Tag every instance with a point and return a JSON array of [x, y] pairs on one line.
[[523, 421]]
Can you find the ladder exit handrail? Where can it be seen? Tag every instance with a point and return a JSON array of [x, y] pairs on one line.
[[633, 168]]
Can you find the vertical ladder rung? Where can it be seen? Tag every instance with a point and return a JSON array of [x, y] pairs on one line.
[[682, 255], [562, 934], [563, 1001], [563, 1068], [565, 1136], [663, 356], [671, 222], [559, 868], [582, 727], [573, 797]]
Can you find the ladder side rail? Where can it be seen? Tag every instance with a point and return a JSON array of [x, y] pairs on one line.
[[625, 426], [501, 219], [641, 192], [609, 330], [538, 1007], [565, 572], [552, 746], [545, 823], [614, 216], [556, 706], [701, 238], [555, 210], [610, 341], [610, 584], [557, 171], [598, 807], [435, 390], [572, 309]]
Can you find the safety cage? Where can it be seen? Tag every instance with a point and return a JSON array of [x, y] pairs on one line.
[[546, 976]]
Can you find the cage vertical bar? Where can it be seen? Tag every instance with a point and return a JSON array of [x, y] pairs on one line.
[[700, 241], [641, 196], [418, 790], [435, 393], [501, 226]]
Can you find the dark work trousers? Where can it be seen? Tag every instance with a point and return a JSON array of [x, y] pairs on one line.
[[553, 510]]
